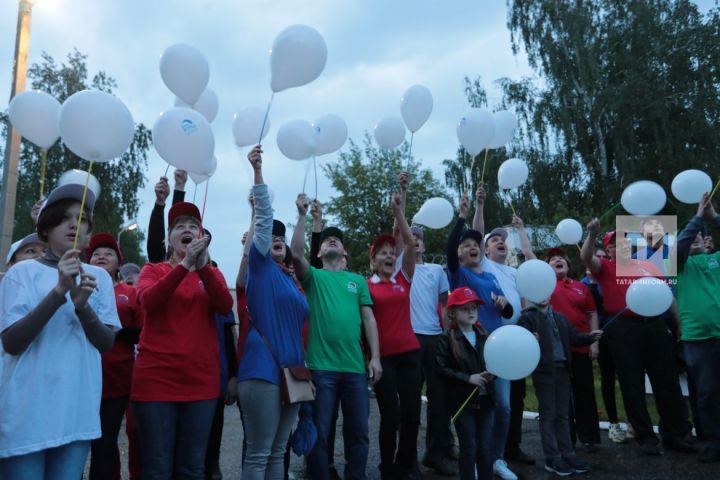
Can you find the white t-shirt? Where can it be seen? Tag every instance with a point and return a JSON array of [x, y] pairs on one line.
[[428, 283], [507, 277], [50, 394]]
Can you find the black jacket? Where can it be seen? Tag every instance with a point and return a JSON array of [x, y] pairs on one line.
[[537, 322], [456, 372]]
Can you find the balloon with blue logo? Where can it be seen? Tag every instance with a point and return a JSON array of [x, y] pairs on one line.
[[184, 139], [331, 133]]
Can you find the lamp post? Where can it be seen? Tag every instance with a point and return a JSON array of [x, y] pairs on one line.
[[12, 146], [128, 226]]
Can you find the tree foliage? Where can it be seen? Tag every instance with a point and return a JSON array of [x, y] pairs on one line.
[[120, 179], [625, 90], [365, 179]]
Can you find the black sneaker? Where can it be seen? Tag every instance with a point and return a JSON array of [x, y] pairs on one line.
[[576, 464], [517, 455], [559, 467]]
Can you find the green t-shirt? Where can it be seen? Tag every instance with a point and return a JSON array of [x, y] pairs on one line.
[[698, 297], [335, 321]]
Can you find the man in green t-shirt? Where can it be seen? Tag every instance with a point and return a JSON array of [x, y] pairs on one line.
[[698, 298], [340, 309]]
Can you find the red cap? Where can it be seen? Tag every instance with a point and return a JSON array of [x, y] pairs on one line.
[[183, 209], [555, 252], [609, 237], [461, 296], [381, 240], [103, 240]]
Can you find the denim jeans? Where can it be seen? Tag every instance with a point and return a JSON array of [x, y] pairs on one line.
[[474, 427], [174, 437], [501, 422], [553, 394], [351, 389], [65, 462], [703, 361], [102, 458]]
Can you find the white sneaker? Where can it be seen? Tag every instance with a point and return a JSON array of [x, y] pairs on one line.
[[616, 434], [629, 431], [501, 470]]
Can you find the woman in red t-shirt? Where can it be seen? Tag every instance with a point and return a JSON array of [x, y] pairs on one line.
[[176, 382], [398, 391], [117, 364]]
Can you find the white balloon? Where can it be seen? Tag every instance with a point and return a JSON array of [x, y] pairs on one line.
[[247, 124], [475, 130], [389, 132], [435, 213], [648, 296], [296, 140], [511, 352], [96, 126], [185, 71], [536, 280], [513, 173], [416, 106], [207, 104], [79, 177], [505, 125], [331, 133], [36, 116], [643, 198], [198, 178], [184, 139], [569, 231], [298, 57], [689, 186]]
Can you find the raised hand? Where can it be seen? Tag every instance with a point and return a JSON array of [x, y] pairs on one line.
[[162, 191], [403, 180], [480, 195], [705, 208], [302, 204], [255, 157], [194, 249], [181, 177], [593, 228], [464, 206], [316, 211], [517, 222], [396, 204]]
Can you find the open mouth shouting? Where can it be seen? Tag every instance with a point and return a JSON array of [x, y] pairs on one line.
[[186, 238]]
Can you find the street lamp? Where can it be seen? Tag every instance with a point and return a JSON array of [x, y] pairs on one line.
[[128, 226], [12, 146]]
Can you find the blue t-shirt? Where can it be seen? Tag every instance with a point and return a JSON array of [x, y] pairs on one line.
[[484, 285]]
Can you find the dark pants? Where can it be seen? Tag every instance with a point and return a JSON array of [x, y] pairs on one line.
[[351, 389], [644, 345], [586, 422], [398, 398], [174, 438], [517, 406], [474, 429], [438, 437], [703, 360], [607, 380], [102, 450], [212, 456], [553, 393]]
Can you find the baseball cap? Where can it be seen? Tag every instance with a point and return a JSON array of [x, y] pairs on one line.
[[418, 232], [331, 232], [499, 231], [128, 269], [462, 296], [32, 238], [472, 234], [278, 229], [608, 238], [103, 240], [381, 240], [73, 191], [183, 209]]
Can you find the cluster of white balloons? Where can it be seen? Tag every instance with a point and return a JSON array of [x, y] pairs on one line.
[[479, 129], [300, 139], [416, 105], [645, 197]]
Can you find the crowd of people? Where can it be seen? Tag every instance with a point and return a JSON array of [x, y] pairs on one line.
[[88, 340]]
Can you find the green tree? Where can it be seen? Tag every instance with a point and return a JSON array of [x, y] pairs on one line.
[[120, 179], [625, 90], [365, 179]]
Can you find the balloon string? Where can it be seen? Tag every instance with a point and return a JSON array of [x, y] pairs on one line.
[[82, 205], [609, 322], [267, 112], [714, 190], [465, 176], [166, 170], [462, 407], [202, 215], [509, 200], [409, 155], [315, 168], [608, 211], [307, 171], [195, 193], [579, 248], [43, 162], [482, 177]]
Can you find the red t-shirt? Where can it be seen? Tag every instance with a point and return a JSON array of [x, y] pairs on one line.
[[614, 284], [574, 301], [178, 358], [117, 364], [391, 307]]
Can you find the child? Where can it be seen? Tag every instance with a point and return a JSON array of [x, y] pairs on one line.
[[461, 364], [551, 380]]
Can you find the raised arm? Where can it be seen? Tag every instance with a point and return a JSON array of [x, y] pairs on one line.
[[297, 246], [408, 264], [317, 227], [262, 235], [525, 246], [453, 263], [156, 228], [179, 188], [479, 217], [587, 252], [400, 241]]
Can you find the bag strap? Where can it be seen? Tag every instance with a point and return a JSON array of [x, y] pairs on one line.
[[267, 343]]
